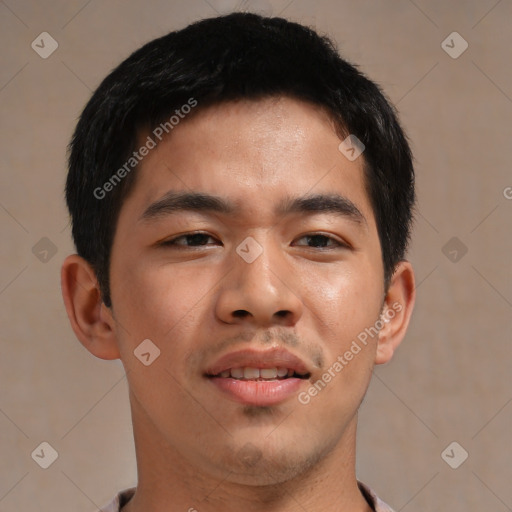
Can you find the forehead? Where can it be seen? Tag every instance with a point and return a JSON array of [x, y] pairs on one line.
[[257, 153]]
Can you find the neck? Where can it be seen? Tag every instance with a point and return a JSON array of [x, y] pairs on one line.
[[168, 482]]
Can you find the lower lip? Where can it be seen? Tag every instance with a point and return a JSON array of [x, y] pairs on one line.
[[260, 393]]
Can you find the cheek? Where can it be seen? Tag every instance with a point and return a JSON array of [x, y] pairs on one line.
[[343, 300], [157, 305], [347, 308], [345, 304], [158, 302]]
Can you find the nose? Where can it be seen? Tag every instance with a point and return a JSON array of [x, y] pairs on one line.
[[261, 293]]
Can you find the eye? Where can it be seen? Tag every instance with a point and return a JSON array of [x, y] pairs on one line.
[[313, 240], [189, 240], [320, 241]]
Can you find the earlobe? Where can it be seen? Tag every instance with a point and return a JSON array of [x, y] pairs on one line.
[[89, 317], [396, 313]]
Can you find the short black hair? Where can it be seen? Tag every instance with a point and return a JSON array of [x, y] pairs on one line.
[[226, 58]]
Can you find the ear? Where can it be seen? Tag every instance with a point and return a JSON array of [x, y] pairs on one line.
[[90, 319], [396, 312]]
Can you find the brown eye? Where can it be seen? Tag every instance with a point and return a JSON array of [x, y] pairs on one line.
[[319, 241], [189, 240]]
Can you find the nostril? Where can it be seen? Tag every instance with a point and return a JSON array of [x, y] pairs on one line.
[[240, 313]]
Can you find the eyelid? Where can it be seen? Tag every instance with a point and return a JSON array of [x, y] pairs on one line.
[[171, 241], [338, 241]]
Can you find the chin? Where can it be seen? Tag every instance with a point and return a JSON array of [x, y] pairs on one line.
[[259, 464]]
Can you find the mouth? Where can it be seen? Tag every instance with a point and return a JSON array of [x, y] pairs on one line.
[[260, 378], [260, 374]]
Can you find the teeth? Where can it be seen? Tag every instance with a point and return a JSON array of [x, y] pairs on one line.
[[237, 373], [283, 372], [268, 373], [251, 373]]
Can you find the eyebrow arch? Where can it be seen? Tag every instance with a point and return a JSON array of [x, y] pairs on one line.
[[323, 203], [174, 201]]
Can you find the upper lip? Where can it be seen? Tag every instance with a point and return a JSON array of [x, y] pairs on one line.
[[269, 358]]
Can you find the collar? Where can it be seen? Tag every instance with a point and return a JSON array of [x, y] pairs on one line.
[[124, 496]]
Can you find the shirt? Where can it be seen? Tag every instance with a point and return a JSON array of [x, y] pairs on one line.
[[124, 496]]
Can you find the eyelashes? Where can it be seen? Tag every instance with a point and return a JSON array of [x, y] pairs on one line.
[[198, 239]]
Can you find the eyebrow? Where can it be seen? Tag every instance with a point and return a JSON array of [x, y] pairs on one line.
[[174, 201]]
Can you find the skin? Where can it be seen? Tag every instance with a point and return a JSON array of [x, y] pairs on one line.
[[200, 300]]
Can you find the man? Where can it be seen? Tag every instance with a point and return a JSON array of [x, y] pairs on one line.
[[241, 201]]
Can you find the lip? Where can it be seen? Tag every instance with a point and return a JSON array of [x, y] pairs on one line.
[[269, 358], [258, 392]]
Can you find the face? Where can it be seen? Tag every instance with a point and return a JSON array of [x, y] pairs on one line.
[[251, 292]]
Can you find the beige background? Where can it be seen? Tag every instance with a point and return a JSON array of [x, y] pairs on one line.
[[450, 380]]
